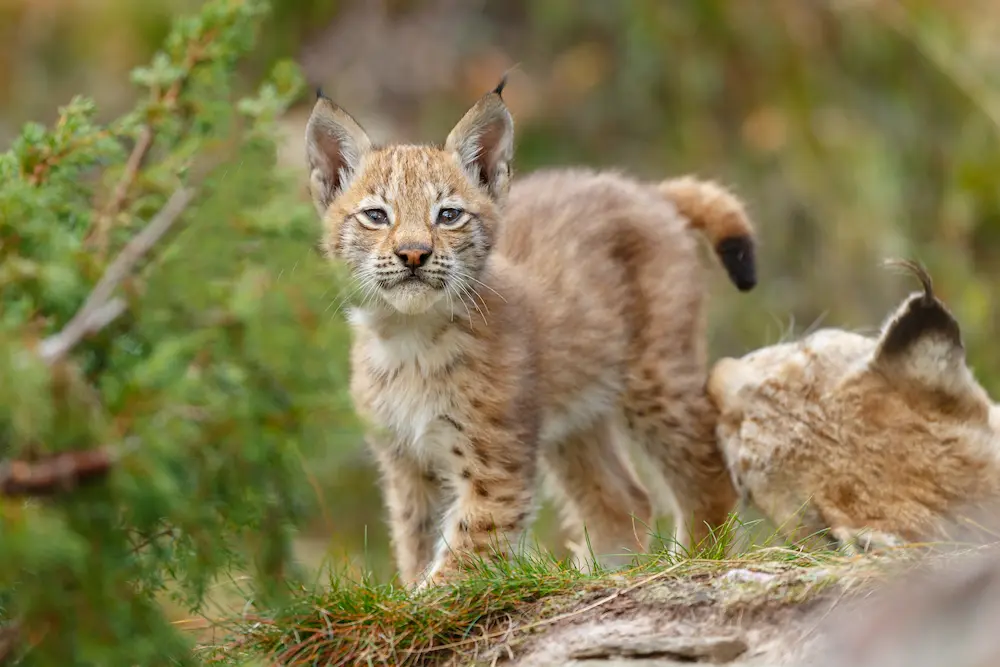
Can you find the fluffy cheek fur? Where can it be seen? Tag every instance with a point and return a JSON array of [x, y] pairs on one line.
[[345, 240], [462, 253]]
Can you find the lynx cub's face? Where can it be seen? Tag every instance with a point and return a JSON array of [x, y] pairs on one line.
[[885, 436], [414, 223]]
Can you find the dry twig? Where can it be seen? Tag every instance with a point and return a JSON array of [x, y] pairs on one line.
[[101, 307], [54, 473]]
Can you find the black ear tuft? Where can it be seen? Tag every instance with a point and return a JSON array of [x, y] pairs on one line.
[[738, 256], [917, 269], [921, 316], [498, 91]]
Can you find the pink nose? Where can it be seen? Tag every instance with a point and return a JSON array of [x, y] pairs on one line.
[[414, 256]]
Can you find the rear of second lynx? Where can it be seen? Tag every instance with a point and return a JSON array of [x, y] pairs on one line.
[[876, 441]]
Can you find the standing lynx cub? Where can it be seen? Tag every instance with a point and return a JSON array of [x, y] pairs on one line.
[[502, 338], [879, 440]]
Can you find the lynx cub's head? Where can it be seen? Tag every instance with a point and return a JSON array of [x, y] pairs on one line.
[[891, 434], [414, 223]]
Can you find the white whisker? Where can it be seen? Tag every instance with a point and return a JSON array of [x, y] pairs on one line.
[[465, 288], [343, 296], [461, 300], [468, 277], [475, 293], [451, 304]]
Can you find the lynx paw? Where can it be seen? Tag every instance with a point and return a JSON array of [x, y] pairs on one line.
[[866, 540], [440, 573]]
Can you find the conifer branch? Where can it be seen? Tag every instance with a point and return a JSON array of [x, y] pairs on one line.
[[102, 227], [101, 307]]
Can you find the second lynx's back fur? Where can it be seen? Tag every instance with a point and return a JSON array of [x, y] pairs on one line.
[[880, 440], [516, 332]]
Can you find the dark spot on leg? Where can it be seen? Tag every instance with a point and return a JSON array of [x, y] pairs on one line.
[[512, 467], [497, 421], [458, 360], [466, 473], [454, 424], [476, 404], [480, 489], [506, 498], [486, 527], [635, 492], [518, 523], [457, 451]]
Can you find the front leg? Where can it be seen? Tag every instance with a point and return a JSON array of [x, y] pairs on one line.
[[494, 476], [413, 499]]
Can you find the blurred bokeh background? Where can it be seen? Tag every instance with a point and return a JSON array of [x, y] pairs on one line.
[[854, 129]]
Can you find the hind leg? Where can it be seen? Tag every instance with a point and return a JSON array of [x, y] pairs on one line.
[[606, 510], [670, 415]]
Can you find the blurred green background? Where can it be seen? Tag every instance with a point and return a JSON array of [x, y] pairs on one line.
[[855, 130]]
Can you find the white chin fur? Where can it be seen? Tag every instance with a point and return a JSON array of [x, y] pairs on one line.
[[412, 299]]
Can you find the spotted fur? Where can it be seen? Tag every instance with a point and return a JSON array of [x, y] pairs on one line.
[[512, 333]]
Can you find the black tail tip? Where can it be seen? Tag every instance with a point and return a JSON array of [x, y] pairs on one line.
[[739, 259]]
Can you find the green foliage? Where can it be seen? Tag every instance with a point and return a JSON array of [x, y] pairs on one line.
[[206, 394], [854, 131]]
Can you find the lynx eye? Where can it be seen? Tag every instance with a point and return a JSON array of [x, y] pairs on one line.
[[374, 217], [451, 217]]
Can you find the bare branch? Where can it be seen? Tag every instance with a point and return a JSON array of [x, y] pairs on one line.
[[54, 473], [106, 216], [101, 308]]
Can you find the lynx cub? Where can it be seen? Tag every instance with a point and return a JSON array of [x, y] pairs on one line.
[[880, 440], [503, 338]]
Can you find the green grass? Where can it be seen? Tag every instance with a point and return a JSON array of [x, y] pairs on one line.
[[349, 622]]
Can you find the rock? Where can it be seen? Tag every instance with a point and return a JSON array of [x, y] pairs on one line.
[[743, 576], [704, 649]]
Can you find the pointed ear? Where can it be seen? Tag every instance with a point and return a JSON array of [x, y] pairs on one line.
[[921, 344], [335, 144], [484, 143]]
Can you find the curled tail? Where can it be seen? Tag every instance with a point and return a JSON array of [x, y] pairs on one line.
[[720, 216]]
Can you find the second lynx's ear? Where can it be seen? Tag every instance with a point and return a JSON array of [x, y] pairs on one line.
[[484, 143], [335, 144], [921, 344]]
